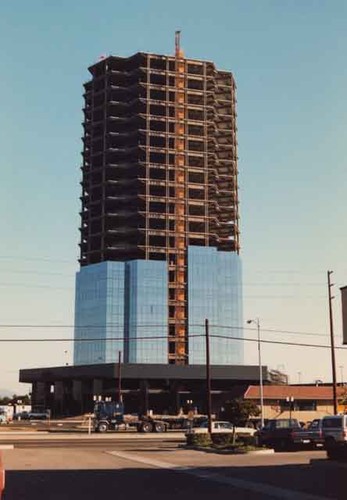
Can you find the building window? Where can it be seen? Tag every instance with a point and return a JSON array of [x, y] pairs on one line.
[[305, 405], [300, 405]]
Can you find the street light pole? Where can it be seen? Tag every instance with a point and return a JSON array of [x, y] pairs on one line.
[[332, 343], [261, 388], [290, 400], [208, 378], [119, 377]]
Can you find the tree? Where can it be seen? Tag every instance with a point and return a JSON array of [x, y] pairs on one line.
[[25, 400], [342, 400], [238, 411]]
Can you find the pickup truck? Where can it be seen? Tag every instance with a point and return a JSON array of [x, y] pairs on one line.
[[312, 435], [334, 429], [279, 433]]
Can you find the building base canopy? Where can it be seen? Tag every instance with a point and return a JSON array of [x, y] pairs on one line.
[[71, 390]]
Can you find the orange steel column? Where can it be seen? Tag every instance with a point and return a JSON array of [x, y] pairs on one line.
[[180, 223]]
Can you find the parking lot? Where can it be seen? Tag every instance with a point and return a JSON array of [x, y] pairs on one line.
[[155, 468]]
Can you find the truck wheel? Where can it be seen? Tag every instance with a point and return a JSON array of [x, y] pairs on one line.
[[159, 427], [333, 453], [281, 445], [146, 427], [102, 427]]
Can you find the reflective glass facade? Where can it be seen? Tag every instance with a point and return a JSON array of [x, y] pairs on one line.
[[215, 293], [129, 301], [99, 313], [146, 285], [123, 300]]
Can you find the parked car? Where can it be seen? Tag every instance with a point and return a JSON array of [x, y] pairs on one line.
[[31, 415], [279, 433], [334, 429], [222, 427], [311, 436], [3, 418], [22, 415], [38, 415]]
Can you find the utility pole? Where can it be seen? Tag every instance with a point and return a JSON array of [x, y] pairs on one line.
[[332, 343], [208, 377], [119, 377], [261, 384]]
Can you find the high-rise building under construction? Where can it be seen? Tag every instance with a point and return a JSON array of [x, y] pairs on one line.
[[159, 247]]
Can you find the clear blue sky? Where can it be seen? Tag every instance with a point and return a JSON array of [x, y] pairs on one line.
[[289, 61]]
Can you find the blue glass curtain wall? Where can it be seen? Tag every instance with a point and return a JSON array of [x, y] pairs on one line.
[[148, 313], [116, 304], [99, 314], [215, 293]]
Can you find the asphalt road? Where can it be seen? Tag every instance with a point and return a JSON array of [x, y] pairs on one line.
[[155, 469], [109, 440]]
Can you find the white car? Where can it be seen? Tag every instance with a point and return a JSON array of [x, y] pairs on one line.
[[222, 427], [3, 419]]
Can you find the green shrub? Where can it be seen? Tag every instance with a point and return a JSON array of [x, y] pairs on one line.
[[247, 440], [199, 440], [222, 439]]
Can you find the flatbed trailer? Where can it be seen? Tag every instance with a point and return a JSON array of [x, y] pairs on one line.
[[110, 416]]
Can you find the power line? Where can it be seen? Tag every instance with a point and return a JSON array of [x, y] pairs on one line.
[[162, 325], [244, 284], [23, 285], [270, 330], [37, 273], [146, 325], [121, 339], [37, 259], [260, 297], [280, 342], [283, 284], [75, 260], [99, 339]]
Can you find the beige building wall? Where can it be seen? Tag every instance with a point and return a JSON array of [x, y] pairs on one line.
[[273, 410]]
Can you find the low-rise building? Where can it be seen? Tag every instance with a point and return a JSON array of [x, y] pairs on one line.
[[304, 402]]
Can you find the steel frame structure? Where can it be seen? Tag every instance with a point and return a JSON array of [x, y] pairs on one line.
[[159, 168]]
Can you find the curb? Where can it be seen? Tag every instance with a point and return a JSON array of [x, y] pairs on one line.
[[325, 462], [267, 451], [80, 436], [23, 433]]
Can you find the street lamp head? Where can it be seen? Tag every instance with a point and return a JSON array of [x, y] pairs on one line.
[[256, 321]]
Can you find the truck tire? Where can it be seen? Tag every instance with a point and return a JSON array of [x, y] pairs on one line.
[[329, 443], [282, 445], [146, 427], [159, 427], [333, 453], [102, 427]]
